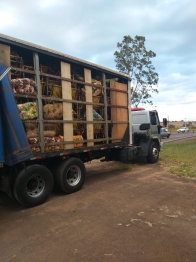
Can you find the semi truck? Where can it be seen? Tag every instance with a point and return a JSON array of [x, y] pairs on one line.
[[58, 112]]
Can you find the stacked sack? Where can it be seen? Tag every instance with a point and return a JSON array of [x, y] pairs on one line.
[[55, 112], [24, 86], [47, 140], [28, 111], [32, 130]]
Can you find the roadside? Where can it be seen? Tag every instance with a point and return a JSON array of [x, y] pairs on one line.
[[142, 214], [182, 139], [178, 158]]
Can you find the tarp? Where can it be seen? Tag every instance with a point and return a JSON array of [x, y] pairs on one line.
[[16, 147], [2, 158]]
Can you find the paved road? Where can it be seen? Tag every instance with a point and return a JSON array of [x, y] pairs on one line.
[[138, 215], [179, 136]]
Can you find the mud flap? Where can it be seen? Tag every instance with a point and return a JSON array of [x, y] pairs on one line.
[[5, 186]]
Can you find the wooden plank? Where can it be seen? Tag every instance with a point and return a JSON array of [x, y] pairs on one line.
[[5, 56], [67, 107], [119, 114], [89, 108]]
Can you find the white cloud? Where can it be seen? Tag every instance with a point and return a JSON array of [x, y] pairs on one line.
[[47, 3], [7, 19]]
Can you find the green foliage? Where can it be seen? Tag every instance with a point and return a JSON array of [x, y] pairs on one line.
[[133, 59], [189, 124], [179, 158]]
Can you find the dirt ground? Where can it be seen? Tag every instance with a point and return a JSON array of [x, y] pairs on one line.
[[137, 215]]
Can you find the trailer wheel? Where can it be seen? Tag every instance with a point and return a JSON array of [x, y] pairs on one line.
[[70, 175], [33, 185], [153, 155]]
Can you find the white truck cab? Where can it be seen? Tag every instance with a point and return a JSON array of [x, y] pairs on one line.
[[146, 132], [141, 116]]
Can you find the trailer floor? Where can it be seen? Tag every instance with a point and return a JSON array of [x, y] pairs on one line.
[[137, 215]]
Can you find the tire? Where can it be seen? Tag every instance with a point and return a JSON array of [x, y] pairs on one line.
[[70, 175], [153, 155], [33, 185], [168, 136]]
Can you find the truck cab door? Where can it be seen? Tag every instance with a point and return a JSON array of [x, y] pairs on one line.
[[155, 124]]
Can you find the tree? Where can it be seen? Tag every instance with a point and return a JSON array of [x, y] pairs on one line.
[[133, 59]]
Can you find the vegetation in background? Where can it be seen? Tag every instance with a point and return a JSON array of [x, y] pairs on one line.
[[173, 126], [180, 158], [133, 59]]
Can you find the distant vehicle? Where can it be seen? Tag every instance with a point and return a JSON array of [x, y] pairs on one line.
[[183, 129], [165, 133]]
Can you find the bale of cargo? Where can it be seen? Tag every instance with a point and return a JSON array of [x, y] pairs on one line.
[[53, 111], [28, 110], [24, 86], [32, 129], [75, 138]]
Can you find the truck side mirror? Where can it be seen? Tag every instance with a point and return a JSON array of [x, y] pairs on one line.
[[145, 126], [165, 122]]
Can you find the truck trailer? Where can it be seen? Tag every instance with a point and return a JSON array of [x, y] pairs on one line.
[[58, 112]]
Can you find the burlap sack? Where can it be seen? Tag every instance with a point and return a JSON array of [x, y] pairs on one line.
[[32, 133], [49, 129], [53, 111], [32, 130]]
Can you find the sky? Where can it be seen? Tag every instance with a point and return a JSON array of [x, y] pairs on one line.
[[91, 29]]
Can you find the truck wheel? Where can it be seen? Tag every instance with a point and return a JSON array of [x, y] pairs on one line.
[[153, 155], [70, 175], [33, 185]]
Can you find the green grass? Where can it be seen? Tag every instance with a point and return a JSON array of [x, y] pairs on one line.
[[180, 158]]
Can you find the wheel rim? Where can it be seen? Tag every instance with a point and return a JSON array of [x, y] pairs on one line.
[[73, 175], [35, 186], [155, 152]]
